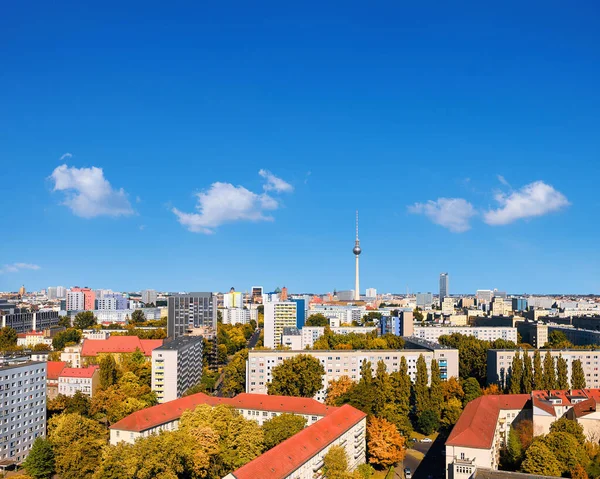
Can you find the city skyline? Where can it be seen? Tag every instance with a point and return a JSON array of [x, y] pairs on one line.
[[188, 162]]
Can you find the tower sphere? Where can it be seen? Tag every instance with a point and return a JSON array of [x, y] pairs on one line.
[[357, 250]]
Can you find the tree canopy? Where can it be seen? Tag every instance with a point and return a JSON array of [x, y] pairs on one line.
[[300, 376], [317, 320], [84, 320], [280, 428]]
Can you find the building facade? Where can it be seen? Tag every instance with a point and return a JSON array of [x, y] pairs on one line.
[[338, 363], [424, 300], [235, 316], [149, 296], [278, 315], [26, 322], [176, 367], [191, 311], [444, 286], [79, 299], [499, 362], [83, 380], [432, 333], [23, 396]]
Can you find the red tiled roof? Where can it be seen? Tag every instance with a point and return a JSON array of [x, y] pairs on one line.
[[285, 458], [172, 410], [584, 408], [79, 372], [477, 424], [54, 368], [119, 344]]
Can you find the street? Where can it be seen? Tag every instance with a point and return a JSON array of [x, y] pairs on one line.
[[425, 460]]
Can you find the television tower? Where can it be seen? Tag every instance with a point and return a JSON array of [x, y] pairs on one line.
[[357, 252]]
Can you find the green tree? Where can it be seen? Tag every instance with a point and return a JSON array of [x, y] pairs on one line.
[[567, 450], [138, 316], [420, 387], [8, 338], [527, 374], [429, 421], [62, 339], [436, 393], [234, 375], [65, 321], [401, 385], [335, 463], [549, 378], [84, 320], [562, 374], [108, 371], [472, 390], [79, 403], [451, 412], [317, 320], [540, 460], [280, 428], [538, 372], [558, 339], [40, 461], [577, 375], [383, 385], [571, 427], [514, 450], [240, 439], [77, 443], [417, 315], [300, 375], [516, 375]]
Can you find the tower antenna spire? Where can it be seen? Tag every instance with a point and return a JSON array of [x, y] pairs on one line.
[[357, 224]]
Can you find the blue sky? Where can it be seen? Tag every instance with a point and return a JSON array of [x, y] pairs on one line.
[[196, 147]]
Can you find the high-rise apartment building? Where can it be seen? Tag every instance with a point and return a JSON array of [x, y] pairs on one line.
[[52, 293], [444, 286], [23, 393], [279, 315], [176, 367], [61, 292], [424, 300], [371, 293], [149, 296], [257, 294], [79, 299], [191, 311], [233, 299], [235, 316], [484, 298]]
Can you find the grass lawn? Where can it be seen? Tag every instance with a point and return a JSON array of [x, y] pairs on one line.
[[379, 474]]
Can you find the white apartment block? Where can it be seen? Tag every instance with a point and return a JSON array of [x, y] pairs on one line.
[[338, 315], [309, 334], [258, 408], [233, 299], [123, 315], [371, 293], [83, 380], [481, 432], [149, 296], [75, 301], [23, 407], [176, 367], [72, 356], [338, 363], [235, 316], [106, 303], [501, 306], [278, 315], [500, 361], [33, 338], [447, 306], [491, 333]]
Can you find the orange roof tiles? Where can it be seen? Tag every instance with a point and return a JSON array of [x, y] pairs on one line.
[[172, 410], [79, 372], [119, 344], [54, 369], [477, 424], [285, 458]]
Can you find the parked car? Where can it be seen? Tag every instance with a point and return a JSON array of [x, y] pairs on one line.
[[407, 473], [426, 439]]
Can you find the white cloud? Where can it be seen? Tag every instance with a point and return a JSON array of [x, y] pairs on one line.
[[226, 203], [502, 180], [451, 213], [274, 183], [65, 156], [16, 267], [535, 199], [88, 193]]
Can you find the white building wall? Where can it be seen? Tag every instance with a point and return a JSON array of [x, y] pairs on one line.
[[23, 399], [432, 333]]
